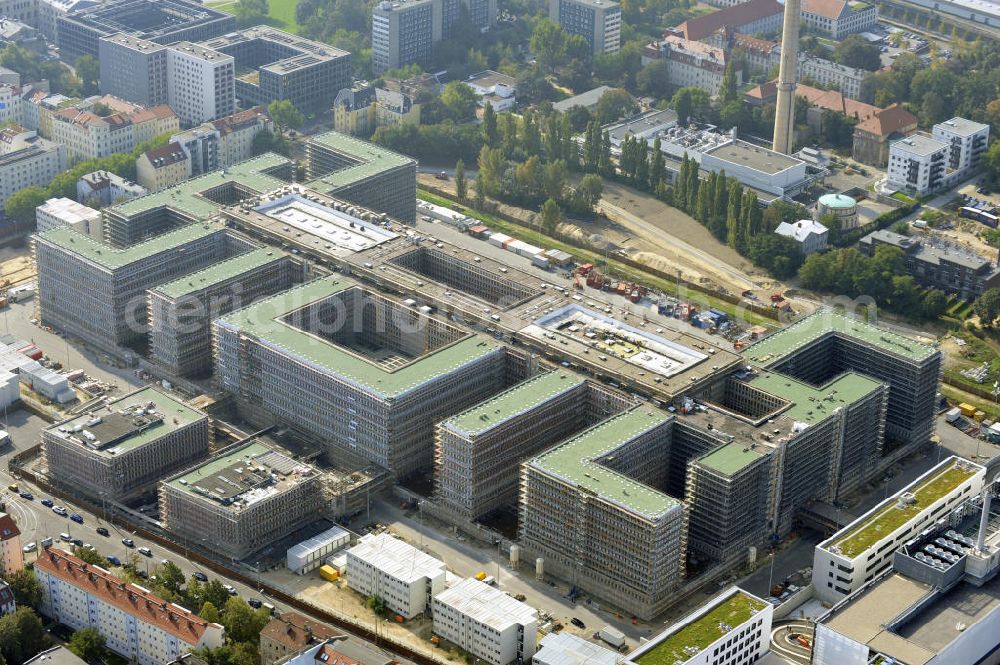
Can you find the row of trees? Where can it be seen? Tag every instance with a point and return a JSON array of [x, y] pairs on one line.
[[882, 277]]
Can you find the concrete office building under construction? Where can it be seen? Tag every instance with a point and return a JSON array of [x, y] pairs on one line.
[[365, 373], [241, 500], [120, 450], [478, 452]]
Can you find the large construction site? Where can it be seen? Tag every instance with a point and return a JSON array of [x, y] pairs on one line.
[[493, 389]]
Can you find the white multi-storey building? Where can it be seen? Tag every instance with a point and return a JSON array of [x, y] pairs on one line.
[[27, 160], [597, 21], [201, 82], [135, 623], [966, 141], [88, 135], [691, 63], [918, 164], [10, 103], [569, 649], [398, 573], [863, 549], [486, 622], [839, 18], [67, 212], [733, 628]]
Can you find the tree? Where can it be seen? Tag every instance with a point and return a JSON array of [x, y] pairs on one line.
[[550, 215], [170, 576], [21, 636], [266, 141], [460, 100], [229, 654], [614, 104], [210, 612], [548, 43], [461, 186], [778, 255], [215, 593], [682, 105], [590, 189], [987, 306], [87, 643], [88, 70], [727, 91], [21, 205], [555, 179], [285, 115], [249, 12], [242, 622], [856, 51], [654, 79], [489, 126], [26, 587], [90, 556]]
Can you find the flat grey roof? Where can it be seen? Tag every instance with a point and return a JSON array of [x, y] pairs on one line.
[[641, 124], [584, 99], [747, 154], [963, 126], [918, 144]]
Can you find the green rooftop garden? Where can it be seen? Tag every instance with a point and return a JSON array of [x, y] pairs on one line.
[[891, 517], [698, 635]]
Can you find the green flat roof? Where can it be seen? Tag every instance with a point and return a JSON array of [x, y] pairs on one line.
[[696, 636], [260, 320], [730, 458], [373, 160], [171, 409], [786, 341], [216, 464], [219, 272], [184, 196], [573, 461], [513, 402], [888, 517], [811, 404], [113, 257]]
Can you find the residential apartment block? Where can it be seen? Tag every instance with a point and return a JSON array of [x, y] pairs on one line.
[[181, 311], [597, 21], [405, 31], [160, 21], [134, 622], [937, 264], [406, 578], [691, 63], [241, 500], [122, 449], [917, 164], [291, 633], [283, 67], [26, 160], [864, 549], [107, 188], [828, 73], [966, 140], [163, 167], [486, 622], [87, 135], [11, 556], [373, 384], [67, 212]]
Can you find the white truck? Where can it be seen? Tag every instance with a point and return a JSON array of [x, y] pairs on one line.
[[612, 636]]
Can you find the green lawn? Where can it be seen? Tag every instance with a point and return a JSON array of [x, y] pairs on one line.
[[282, 12]]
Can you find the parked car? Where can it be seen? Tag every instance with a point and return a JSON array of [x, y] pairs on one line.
[[254, 603], [76, 518], [145, 551], [47, 503], [27, 496], [128, 542], [113, 560], [65, 537], [579, 624], [30, 547], [59, 510], [104, 532], [200, 576], [12, 487], [230, 588], [77, 542]]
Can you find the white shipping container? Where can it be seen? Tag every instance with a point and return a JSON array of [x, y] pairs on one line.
[[498, 239]]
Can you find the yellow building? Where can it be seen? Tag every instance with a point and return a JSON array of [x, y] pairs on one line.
[[162, 167]]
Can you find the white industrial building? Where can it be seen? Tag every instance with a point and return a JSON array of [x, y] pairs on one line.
[[134, 622], [486, 622], [67, 212], [311, 553], [568, 649], [398, 573], [864, 549], [810, 236], [734, 627], [967, 142]]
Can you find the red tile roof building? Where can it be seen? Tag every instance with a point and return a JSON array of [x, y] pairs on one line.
[[290, 633], [755, 16], [873, 134], [11, 556], [135, 623]]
